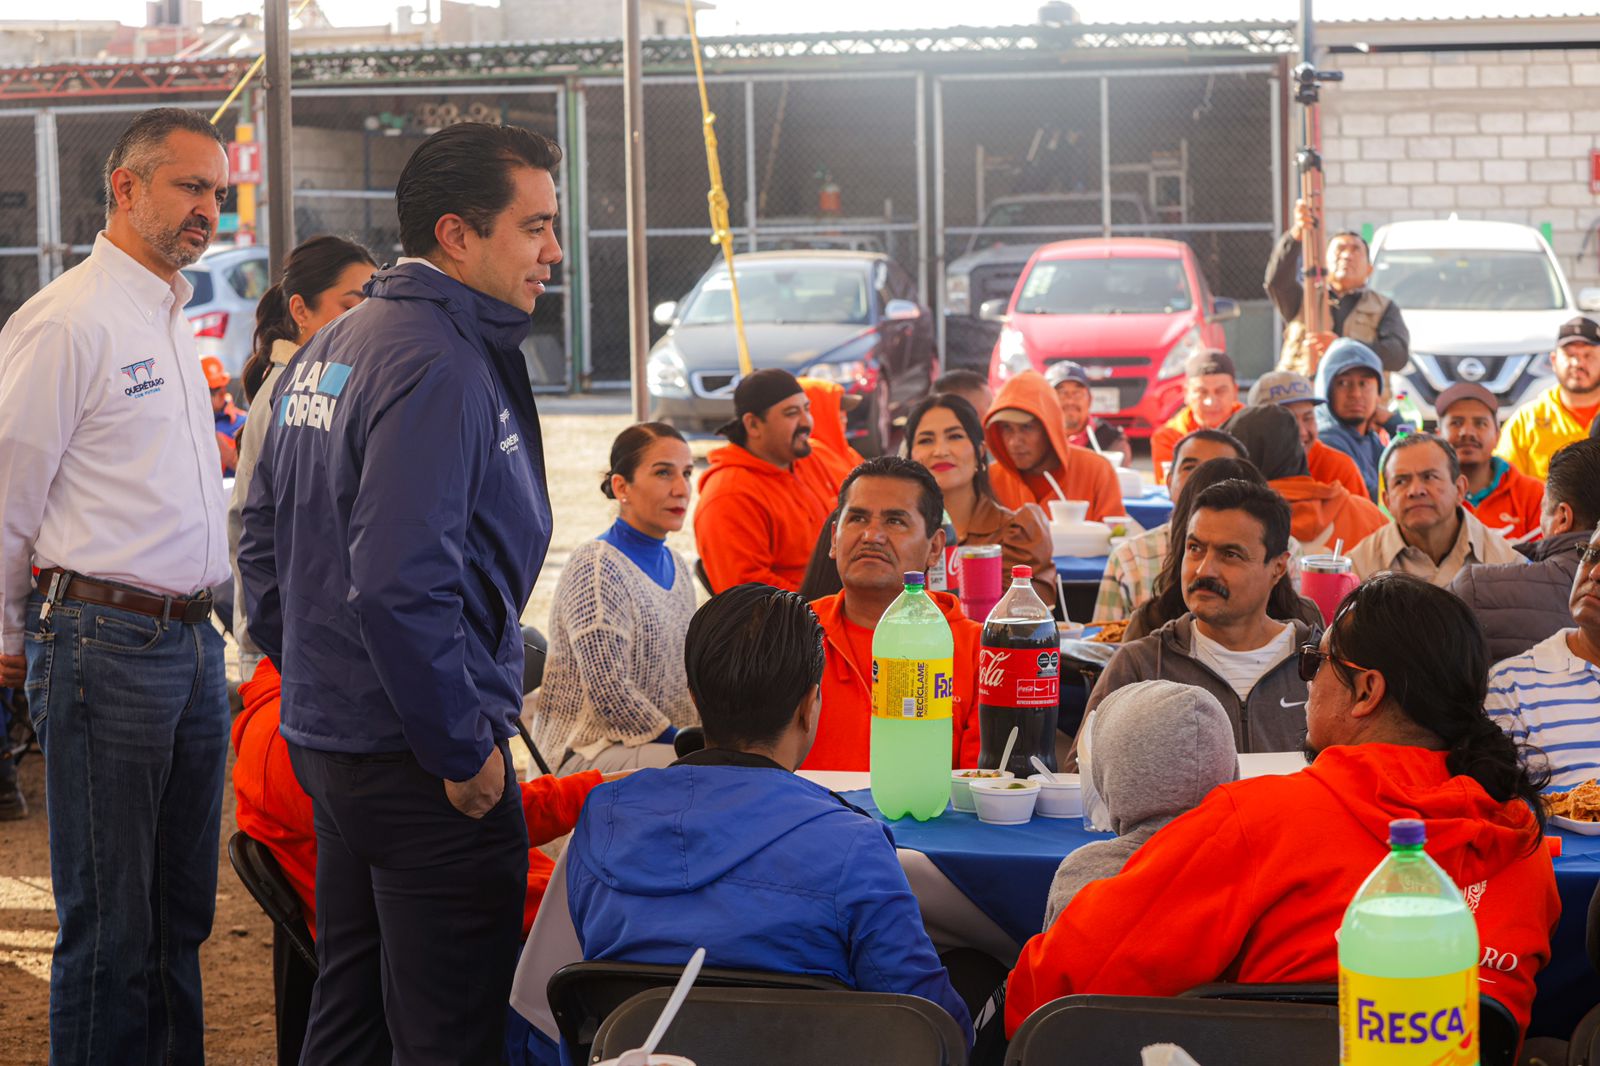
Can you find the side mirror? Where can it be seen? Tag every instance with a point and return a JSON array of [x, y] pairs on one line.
[[664, 313], [993, 310], [1589, 299], [1224, 309], [901, 311]]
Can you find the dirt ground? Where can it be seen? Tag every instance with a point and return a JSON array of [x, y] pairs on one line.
[[237, 960]]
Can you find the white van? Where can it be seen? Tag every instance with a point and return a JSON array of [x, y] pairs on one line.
[[1483, 302]]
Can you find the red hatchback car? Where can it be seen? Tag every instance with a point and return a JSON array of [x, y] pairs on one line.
[[1129, 309]]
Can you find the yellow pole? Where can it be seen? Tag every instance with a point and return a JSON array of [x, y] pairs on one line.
[[245, 133], [255, 68], [720, 233]]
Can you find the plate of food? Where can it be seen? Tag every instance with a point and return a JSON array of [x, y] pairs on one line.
[[1576, 810]]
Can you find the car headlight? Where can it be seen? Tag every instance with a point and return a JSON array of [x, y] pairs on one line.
[[1013, 353], [1180, 352], [852, 374], [957, 295], [665, 374]]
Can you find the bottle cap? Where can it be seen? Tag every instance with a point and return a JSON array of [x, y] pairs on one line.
[[1407, 832], [1021, 571], [915, 577]]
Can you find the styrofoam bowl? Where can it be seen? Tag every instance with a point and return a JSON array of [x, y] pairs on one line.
[[999, 804], [657, 1059], [961, 795], [1062, 798]]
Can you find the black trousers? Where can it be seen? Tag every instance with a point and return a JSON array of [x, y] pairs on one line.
[[418, 913]]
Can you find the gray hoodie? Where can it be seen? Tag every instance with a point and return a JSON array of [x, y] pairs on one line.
[[1159, 747]]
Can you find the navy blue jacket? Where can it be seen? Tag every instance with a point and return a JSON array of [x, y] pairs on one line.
[[1349, 437], [762, 868], [396, 524]]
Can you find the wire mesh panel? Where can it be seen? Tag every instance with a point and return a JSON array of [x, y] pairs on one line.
[[20, 259]]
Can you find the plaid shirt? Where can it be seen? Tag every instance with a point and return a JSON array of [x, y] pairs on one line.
[[1130, 576]]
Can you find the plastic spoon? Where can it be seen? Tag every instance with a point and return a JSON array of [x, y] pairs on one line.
[[641, 1056], [1044, 771], [1011, 742]]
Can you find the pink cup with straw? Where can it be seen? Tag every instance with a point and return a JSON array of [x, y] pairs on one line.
[[1325, 580], [980, 580]]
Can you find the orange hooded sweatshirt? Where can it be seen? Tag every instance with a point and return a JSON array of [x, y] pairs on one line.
[[845, 729], [1251, 885], [1320, 514], [828, 441], [1080, 473], [273, 808], [1513, 505], [757, 522], [1330, 465]]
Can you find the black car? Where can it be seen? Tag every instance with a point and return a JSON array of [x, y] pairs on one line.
[[848, 317]]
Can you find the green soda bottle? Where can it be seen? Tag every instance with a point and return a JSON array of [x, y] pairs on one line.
[[1408, 963], [912, 727]]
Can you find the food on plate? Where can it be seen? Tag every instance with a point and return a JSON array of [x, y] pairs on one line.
[[1110, 632], [979, 773], [1581, 804]]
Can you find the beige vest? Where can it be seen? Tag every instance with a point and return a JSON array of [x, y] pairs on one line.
[[1361, 324]]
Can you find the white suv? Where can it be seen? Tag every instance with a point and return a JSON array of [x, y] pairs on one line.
[[1483, 302]]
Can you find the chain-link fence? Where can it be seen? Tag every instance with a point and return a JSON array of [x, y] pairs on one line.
[[1032, 158], [23, 235]]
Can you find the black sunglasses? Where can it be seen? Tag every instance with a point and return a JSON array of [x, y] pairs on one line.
[[1312, 658], [1588, 555]]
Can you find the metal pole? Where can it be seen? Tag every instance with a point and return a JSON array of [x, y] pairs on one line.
[[1105, 157], [638, 264], [275, 80]]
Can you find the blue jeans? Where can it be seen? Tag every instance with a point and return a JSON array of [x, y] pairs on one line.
[[132, 714]]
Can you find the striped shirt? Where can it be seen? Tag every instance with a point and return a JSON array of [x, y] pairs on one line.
[[1130, 576], [1550, 698]]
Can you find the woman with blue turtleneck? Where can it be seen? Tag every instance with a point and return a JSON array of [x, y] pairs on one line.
[[614, 692]]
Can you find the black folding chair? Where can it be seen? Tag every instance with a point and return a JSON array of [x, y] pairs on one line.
[[535, 649], [790, 1027], [1085, 1030], [583, 994], [294, 955]]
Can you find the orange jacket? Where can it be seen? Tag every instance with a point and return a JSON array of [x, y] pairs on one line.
[[1320, 514], [1513, 506], [844, 732], [827, 430], [273, 808], [1170, 432], [1081, 474], [1333, 467], [756, 522], [1251, 885]]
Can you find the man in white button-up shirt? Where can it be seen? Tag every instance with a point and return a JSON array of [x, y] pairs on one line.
[[112, 530]]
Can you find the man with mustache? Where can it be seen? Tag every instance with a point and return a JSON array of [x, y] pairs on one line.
[[1431, 536], [1564, 412], [1503, 497], [392, 534], [1236, 550], [1546, 697], [766, 497], [889, 524], [115, 527]]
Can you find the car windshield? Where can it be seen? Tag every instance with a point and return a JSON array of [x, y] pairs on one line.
[[780, 293], [1105, 287], [1476, 280], [201, 280]]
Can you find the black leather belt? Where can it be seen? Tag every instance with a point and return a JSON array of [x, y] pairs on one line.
[[190, 610]]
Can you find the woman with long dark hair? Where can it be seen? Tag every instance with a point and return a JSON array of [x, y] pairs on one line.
[[322, 279]]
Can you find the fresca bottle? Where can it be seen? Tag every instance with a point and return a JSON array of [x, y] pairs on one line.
[[1408, 963], [912, 728]]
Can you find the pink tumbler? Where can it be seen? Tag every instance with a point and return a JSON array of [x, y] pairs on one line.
[[980, 580], [1325, 580]]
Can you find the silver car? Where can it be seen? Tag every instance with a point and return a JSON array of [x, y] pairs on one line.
[[228, 282]]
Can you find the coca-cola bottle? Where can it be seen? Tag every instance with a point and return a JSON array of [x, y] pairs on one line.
[[1019, 678]]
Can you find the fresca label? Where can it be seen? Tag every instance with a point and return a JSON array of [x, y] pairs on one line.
[[1019, 677], [912, 688], [1408, 1021]]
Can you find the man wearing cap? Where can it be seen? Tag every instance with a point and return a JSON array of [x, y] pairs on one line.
[[1503, 497], [1210, 397], [1349, 379], [1033, 463], [1295, 393], [229, 419], [1071, 384], [1566, 410], [765, 498]]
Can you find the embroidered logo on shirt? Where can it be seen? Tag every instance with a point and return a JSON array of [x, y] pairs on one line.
[[513, 442], [151, 384], [313, 395]]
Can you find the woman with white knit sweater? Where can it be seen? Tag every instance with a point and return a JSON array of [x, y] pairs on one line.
[[614, 693]]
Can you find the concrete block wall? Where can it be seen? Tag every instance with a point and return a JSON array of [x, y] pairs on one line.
[[1502, 135]]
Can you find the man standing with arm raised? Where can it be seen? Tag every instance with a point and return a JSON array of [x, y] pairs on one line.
[[397, 522]]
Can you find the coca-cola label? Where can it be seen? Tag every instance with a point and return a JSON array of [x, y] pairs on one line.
[[1019, 677], [912, 688]]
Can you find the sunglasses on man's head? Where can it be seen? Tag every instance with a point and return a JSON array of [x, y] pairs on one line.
[[1312, 658]]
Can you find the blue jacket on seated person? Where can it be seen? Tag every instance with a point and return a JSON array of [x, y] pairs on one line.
[[767, 871]]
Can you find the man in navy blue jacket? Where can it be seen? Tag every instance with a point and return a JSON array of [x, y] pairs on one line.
[[730, 850], [396, 525]]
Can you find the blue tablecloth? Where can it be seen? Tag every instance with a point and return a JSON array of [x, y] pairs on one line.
[[1006, 870], [1082, 569], [1149, 510]]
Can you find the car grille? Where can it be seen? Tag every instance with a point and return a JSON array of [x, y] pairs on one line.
[[714, 384], [1498, 372], [993, 283], [1130, 391]]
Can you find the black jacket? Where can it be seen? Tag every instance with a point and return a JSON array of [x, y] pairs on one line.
[[1518, 606]]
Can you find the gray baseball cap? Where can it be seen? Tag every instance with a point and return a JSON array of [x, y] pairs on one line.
[[1283, 387]]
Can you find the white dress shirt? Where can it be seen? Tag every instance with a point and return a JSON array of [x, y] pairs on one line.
[[108, 452]]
